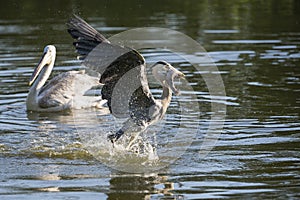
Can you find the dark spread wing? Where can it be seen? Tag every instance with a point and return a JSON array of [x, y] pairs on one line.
[[122, 71], [86, 36]]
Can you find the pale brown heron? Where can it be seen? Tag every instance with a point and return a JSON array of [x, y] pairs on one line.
[[63, 92]]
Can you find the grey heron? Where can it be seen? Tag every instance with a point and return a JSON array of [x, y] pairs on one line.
[[127, 95], [65, 91]]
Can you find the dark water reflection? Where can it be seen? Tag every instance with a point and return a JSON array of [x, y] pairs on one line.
[[255, 45]]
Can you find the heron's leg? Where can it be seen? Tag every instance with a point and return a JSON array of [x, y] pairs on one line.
[[114, 137], [125, 128], [133, 138]]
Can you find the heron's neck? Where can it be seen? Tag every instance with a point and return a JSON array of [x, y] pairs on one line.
[[39, 83], [167, 93], [166, 96]]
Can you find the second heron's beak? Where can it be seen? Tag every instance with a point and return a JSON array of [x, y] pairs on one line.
[[45, 60], [171, 75]]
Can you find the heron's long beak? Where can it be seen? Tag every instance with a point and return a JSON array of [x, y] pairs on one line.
[[170, 80], [45, 60]]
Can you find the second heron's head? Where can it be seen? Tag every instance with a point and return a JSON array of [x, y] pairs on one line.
[[166, 74]]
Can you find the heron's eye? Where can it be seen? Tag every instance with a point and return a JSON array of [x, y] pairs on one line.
[[166, 67]]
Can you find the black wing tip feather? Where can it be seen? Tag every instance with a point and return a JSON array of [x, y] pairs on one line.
[[77, 27], [85, 36]]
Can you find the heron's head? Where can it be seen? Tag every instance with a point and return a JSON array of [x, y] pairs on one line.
[[167, 74], [47, 59]]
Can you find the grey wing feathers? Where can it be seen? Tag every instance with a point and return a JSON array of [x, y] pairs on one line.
[[53, 93]]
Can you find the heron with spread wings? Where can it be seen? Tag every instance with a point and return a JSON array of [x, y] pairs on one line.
[[123, 73]]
